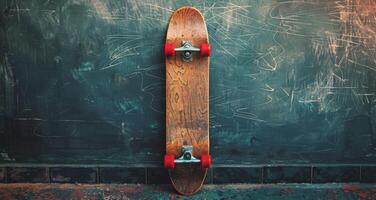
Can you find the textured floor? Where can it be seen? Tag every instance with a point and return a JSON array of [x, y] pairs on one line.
[[106, 191]]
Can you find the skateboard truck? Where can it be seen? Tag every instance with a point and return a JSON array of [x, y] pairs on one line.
[[187, 157], [187, 49]]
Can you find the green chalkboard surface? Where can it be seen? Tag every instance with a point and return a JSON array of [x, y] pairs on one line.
[[83, 81]]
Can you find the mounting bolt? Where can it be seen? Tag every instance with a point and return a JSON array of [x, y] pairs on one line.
[[187, 156], [187, 54]]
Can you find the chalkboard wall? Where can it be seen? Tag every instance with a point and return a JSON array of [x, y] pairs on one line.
[[291, 82]]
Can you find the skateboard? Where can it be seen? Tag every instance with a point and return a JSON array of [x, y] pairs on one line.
[[187, 52]]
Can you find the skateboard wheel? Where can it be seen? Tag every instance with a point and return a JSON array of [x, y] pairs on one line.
[[206, 161], [205, 50], [169, 49], [169, 161]]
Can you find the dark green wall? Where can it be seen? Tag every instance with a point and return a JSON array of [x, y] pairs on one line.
[[82, 81]]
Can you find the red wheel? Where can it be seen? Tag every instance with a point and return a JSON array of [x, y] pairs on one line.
[[169, 49], [206, 161], [205, 50], [169, 161]]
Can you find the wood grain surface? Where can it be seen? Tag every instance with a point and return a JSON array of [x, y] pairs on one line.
[[187, 99]]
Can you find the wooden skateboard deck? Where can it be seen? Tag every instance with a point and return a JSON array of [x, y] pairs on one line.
[[187, 99]]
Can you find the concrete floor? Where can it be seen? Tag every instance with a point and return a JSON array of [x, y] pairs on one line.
[[238, 191]]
